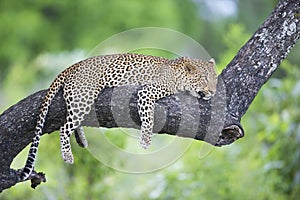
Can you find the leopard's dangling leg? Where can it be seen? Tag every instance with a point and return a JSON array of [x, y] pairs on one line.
[[146, 104]]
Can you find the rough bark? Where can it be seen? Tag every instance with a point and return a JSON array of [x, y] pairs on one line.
[[216, 121]]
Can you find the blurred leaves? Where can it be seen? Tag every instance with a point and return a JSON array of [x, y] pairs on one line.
[[277, 126], [33, 27]]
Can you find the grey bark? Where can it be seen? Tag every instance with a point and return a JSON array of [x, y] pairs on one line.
[[216, 121]]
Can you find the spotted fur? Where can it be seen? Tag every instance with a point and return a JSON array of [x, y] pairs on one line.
[[82, 82]]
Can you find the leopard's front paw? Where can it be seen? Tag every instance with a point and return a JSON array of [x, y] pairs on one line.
[[145, 141]]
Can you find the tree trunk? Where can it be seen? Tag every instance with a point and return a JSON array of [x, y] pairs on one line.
[[216, 121]]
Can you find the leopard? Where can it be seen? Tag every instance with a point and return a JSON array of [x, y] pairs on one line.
[[158, 77]]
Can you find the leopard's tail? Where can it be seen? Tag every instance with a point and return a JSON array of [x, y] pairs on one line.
[[53, 89]]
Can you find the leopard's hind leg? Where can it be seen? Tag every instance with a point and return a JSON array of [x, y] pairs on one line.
[[79, 102], [80, 137]]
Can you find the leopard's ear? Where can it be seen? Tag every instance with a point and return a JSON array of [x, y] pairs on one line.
[[189, 68], [212, 61]]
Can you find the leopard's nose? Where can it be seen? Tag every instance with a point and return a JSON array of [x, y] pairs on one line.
[[212, 92], [208, 95]]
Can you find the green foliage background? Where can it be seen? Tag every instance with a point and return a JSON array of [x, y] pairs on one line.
[[263, 165]]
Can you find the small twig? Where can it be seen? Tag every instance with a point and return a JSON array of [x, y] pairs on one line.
[[36, 178]]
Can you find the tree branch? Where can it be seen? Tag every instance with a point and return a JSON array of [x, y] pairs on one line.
[[216, 121]]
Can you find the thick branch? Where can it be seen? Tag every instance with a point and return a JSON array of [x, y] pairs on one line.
[[216, 121], [260, 56]]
